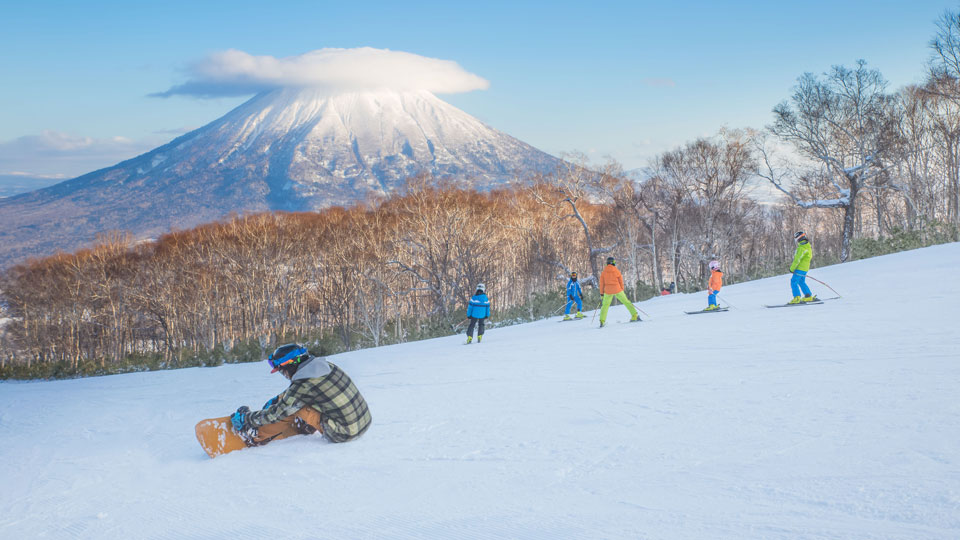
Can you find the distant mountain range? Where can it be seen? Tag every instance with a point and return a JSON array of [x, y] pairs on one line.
[[15, 184], [285, 149]]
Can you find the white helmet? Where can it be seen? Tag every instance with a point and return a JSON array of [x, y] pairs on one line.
[[714, 265], [481, 287]]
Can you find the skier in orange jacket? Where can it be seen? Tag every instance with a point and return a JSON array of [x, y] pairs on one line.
[[611, 286], [716, 281]]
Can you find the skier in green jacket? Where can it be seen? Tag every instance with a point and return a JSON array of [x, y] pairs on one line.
[[800, 267]]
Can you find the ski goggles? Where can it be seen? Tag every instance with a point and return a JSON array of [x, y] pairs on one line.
[[291, 356]]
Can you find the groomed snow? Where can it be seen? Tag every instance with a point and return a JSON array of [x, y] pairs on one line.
[[838, 420]]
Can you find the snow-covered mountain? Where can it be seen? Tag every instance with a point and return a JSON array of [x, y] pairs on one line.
[[831, 421], [287, 149]]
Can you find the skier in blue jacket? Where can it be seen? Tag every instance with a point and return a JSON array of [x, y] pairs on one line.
[[574, 294], [477, 311]]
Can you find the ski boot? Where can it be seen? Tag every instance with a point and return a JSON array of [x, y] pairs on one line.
[[796, 300], [711, 307], [810, 298], [601, 324], [635, 318], [567, 318], [579, 315], [479, 338], [469, 339]]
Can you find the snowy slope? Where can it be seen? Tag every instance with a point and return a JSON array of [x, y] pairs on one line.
[[831, 421]]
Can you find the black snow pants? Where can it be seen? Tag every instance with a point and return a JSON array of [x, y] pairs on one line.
[[473, 321]]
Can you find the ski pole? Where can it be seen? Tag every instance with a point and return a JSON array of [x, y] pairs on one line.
[[825, 285], [727, 303], [596, 310], [455, 328], [642, 311]]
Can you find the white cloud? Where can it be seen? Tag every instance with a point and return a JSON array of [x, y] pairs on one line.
[[236, 73], [58, 154]]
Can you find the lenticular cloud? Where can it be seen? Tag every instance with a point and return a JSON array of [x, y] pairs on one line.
[[236, 73]]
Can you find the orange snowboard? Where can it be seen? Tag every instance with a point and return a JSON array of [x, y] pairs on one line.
[[217, 437]]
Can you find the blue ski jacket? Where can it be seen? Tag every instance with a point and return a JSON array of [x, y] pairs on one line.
[[573, 289], [479, 307]]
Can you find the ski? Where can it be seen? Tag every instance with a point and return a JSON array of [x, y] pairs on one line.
[[705, 311], [794, 305], [628, 322], [571, 320]]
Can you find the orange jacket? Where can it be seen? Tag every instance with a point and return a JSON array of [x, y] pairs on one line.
[[611, 280], [716, 280]]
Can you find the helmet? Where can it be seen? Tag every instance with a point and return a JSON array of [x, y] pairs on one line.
[[714, 265], [481, 287], [611, 260], [573, 275], [799, 236], [290, 354]]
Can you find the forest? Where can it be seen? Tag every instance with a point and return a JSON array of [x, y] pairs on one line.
[[862, 169]]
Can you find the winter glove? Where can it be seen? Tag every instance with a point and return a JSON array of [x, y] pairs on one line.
[[239, 418], [272, 402]]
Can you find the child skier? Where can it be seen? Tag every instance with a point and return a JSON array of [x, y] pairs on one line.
[[574, 294], [713, 288], [477, 311], [800, 267], [611, 286], [321, 397]]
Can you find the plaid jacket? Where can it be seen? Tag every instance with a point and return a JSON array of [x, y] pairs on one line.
[[343, 410]]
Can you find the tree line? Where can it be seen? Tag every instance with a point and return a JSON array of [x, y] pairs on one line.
[[858, 167]]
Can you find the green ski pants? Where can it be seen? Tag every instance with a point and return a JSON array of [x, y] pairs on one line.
[[622, 297]]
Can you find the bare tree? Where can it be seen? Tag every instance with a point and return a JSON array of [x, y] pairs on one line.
[[571, 185], [706, 180], [945, 61], [635, 220], [842, 122]]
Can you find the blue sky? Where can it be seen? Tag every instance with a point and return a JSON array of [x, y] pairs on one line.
[[624, 79]]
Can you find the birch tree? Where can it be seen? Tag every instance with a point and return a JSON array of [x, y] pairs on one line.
[[842, 122], [573, 184]]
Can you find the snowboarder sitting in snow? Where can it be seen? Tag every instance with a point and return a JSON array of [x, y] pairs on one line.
[[574, 294], [713, 288], [477, 311], [800, 267], [321, 397], [611, 286]]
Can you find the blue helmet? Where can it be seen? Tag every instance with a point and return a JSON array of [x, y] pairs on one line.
[[290, 354]]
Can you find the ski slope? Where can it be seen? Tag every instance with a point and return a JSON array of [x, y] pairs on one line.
[[840, 420]]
